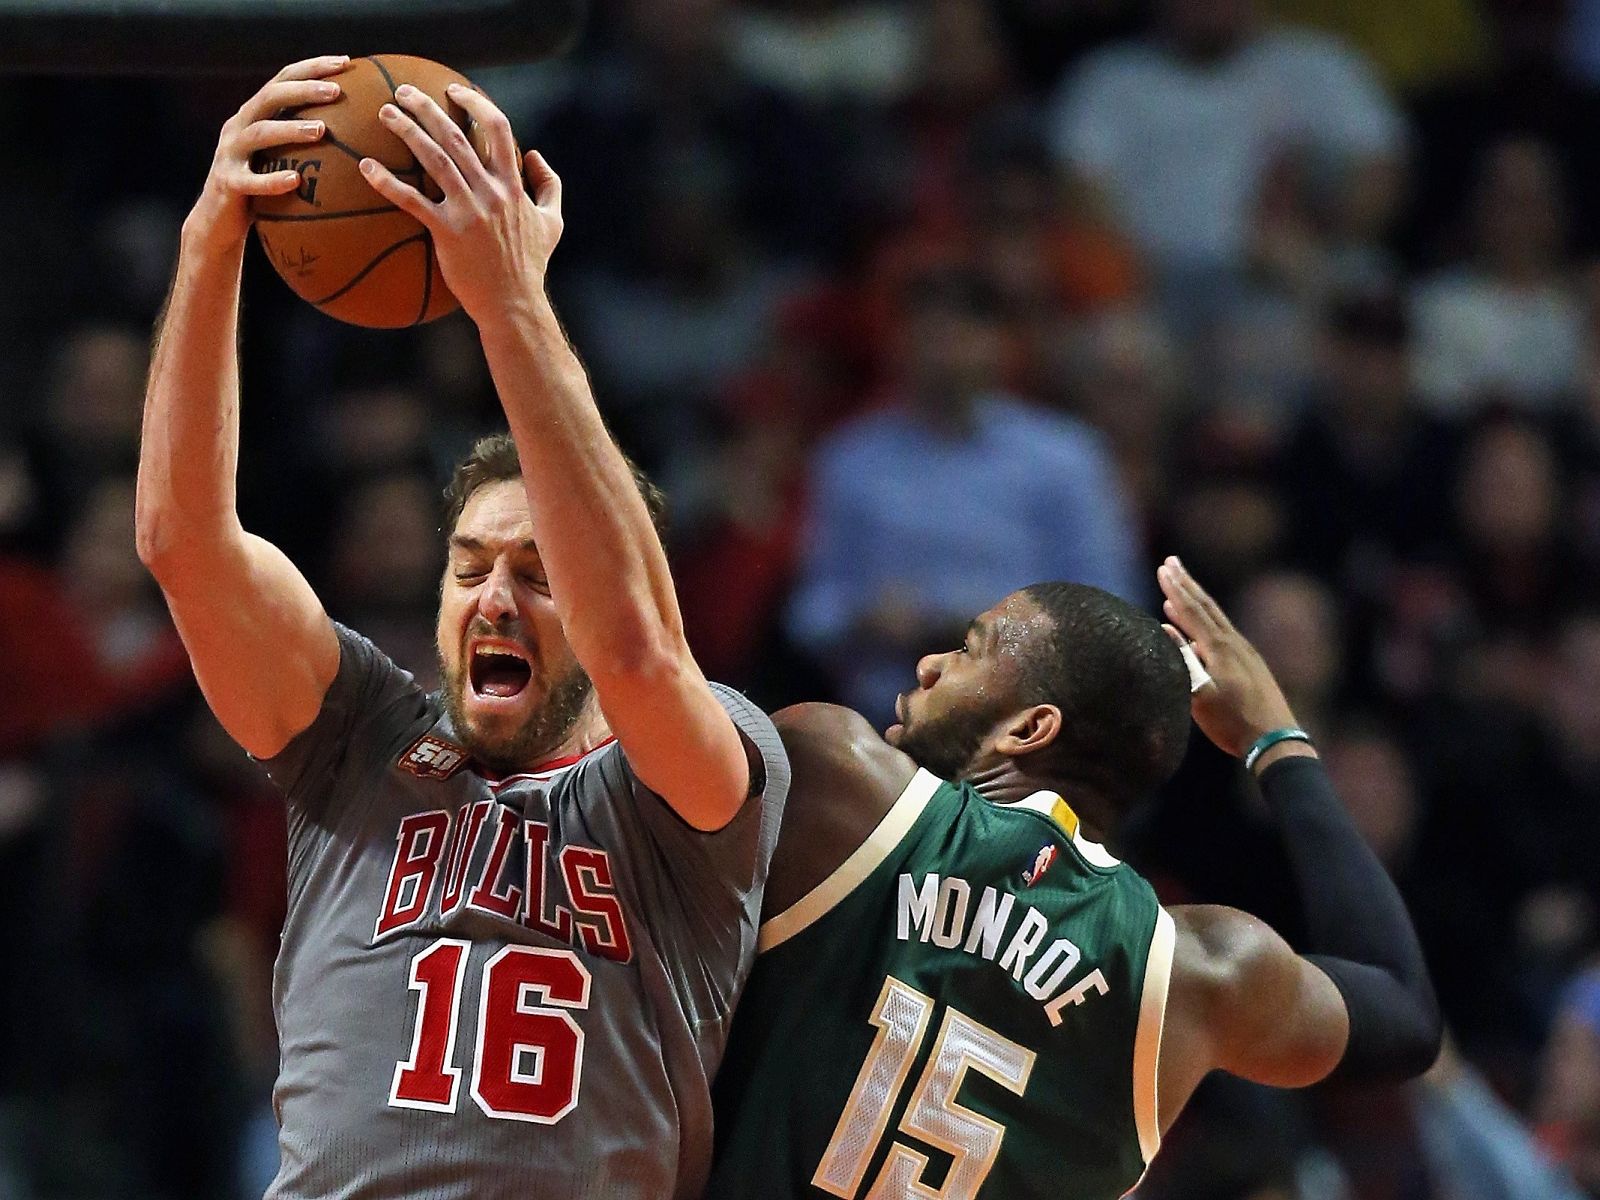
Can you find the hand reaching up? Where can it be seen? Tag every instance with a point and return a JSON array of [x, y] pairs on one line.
[[1242, 701]]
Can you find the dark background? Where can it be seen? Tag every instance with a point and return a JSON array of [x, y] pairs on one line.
[[1367, 413]]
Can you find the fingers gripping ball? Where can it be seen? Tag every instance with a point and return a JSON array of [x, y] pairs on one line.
[[334, 240]]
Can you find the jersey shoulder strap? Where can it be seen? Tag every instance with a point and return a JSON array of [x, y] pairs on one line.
[[889, 833]]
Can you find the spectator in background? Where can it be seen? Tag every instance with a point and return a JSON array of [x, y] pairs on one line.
[[92, 409], [89, 643], [22, 517], [1223, 514], [1507, 324], [1567, 1105], [734, 572], [1578, 433], [1378, 785], [1178, 133], [1000, 206], [1574, 702], [385, 564], [672, 328], [1295, 622], [1321, 223], [1122, 374], [963, 88], [1532, 89], [370, 430], [1512, 560], [827, 51], [1365, 473], [456, 381], [737, 523], [953, 494], [670, 91], [240, 943], [1567, 768], [1474, 1145]]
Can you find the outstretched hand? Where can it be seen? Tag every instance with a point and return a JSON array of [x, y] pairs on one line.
[[224, 207], [493, 239], [1242, 701]]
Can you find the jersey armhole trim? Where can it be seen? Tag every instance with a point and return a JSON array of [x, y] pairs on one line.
[[821, 900], [1147, 1041]]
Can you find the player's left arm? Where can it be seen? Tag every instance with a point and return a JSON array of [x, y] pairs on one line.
[[607, 570], [1358, 935]]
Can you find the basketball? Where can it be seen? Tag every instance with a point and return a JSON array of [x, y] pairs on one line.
[[334, 240]]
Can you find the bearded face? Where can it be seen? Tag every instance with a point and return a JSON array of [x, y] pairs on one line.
[[948, 743], [532, 731], [950, 720], [512, 687]]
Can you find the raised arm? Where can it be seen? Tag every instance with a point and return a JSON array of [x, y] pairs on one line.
[[607, 571], [1359, 1000], [262, 647]]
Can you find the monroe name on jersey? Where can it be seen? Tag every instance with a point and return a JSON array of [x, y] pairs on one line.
[[940, 910]]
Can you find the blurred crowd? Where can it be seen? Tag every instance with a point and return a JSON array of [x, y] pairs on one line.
[[906, 303]]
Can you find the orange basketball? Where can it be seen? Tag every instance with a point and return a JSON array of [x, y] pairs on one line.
[[334, 240]]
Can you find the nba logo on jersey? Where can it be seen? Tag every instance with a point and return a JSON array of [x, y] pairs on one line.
[[433, 758], [1041, 864]]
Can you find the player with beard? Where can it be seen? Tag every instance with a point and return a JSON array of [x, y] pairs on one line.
[[961, 993], [520, 909]]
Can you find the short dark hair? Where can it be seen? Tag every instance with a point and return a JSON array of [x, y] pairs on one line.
[[494, 458], [1122, 688]]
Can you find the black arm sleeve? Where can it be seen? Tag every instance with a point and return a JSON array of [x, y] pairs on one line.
[[1357, 928]]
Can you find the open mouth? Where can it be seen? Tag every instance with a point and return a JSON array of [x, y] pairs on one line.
[[500, 672]]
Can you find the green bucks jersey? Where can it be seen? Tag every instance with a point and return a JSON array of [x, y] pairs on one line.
[[970, 1007]]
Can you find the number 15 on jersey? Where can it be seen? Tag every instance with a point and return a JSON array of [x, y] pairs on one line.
[[901, 1016]]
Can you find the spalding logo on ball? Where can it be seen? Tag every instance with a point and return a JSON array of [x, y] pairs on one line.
[[334, 240]]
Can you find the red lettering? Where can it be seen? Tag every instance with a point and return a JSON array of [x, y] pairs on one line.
[[594, 901], [419, 846], [487, 896], [468, 821], [537, 834]]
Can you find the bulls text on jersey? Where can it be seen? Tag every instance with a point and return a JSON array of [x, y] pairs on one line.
[[941, 911], [585, 911]]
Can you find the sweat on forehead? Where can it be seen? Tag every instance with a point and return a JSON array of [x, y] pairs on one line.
[[1014, 622]]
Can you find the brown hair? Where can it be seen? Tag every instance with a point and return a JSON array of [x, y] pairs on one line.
[[494, 458]]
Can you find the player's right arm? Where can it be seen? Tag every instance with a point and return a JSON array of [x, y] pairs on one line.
[[1241, 1000], [263, 649]]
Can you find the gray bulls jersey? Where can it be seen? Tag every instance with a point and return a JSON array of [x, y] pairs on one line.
[[515, 988]]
